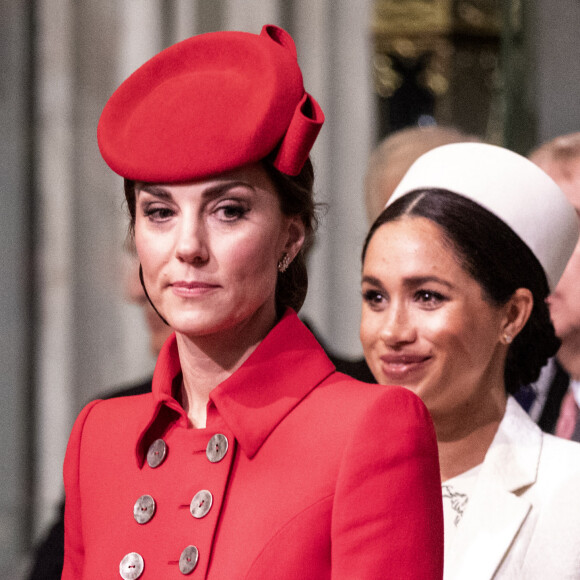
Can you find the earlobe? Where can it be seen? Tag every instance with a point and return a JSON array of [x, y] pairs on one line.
[[518, 311]]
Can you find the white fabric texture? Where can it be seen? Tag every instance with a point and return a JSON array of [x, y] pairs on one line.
[[456, 493], [523, 517], [509, 186]]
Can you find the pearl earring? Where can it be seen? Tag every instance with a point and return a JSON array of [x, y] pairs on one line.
[[508, 338]]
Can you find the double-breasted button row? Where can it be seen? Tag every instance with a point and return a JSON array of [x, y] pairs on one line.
[[216, 450], [132, 565], [144, 508]]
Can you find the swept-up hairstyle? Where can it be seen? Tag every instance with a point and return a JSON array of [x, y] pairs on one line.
[[497, 258]]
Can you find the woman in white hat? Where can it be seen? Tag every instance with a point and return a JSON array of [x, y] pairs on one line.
[[456, 272]]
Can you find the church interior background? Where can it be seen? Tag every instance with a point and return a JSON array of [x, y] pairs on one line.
[[505, 71]]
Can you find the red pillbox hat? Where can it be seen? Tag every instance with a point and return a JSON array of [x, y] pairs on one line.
[[209, 104]]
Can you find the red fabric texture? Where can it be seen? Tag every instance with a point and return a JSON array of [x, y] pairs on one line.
[[325, 477], [209, 104]]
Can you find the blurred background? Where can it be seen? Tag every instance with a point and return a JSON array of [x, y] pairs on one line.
[[506, 71]]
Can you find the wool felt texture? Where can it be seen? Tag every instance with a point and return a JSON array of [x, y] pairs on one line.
[[324, 476], [209, 104]]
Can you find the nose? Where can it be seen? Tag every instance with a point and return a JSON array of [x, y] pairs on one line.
[[192, 243], [397, 326]]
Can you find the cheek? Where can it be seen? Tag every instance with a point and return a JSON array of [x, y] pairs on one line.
[[370, 328], [251, 259], [150, 252], [569, 281], [471, 342], [451, 333]]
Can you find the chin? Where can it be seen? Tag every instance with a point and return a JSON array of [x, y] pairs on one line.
[[200, 324]]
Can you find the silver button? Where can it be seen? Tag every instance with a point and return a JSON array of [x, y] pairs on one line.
[[131, 566], [188, 560], [217, 448], [201, 504], [144, 509], [156, 453]]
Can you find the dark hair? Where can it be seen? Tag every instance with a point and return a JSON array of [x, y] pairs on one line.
[[296, 199], [497, 258]]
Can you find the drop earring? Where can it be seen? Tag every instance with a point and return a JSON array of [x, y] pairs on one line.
[[283, 263]]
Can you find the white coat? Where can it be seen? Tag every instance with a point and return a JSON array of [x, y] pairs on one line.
[[523, 517]]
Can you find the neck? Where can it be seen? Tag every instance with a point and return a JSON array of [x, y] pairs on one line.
[[207, 361], [464, 436], [569, 356]]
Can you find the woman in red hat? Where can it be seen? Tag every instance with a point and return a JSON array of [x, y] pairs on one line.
[[252, 457]]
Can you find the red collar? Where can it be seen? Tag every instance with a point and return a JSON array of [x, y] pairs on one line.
[[283, 369]]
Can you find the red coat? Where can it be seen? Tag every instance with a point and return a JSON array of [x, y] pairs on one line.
[[323, 476]]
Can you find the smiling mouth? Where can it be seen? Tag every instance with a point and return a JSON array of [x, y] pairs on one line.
[[397, 368]]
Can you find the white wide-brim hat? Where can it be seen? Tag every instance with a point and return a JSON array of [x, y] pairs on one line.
[[511, 187]]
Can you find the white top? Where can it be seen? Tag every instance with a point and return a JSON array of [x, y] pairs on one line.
[[456, 493], [522, 519]]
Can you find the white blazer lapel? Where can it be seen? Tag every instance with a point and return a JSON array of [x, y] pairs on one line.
[[495, 514], [490, 524]]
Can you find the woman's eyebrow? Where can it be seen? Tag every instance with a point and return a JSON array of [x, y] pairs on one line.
[[154, 190], [222, 188], [372, 280], [420, 280], [411, 281], [210, 192]]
